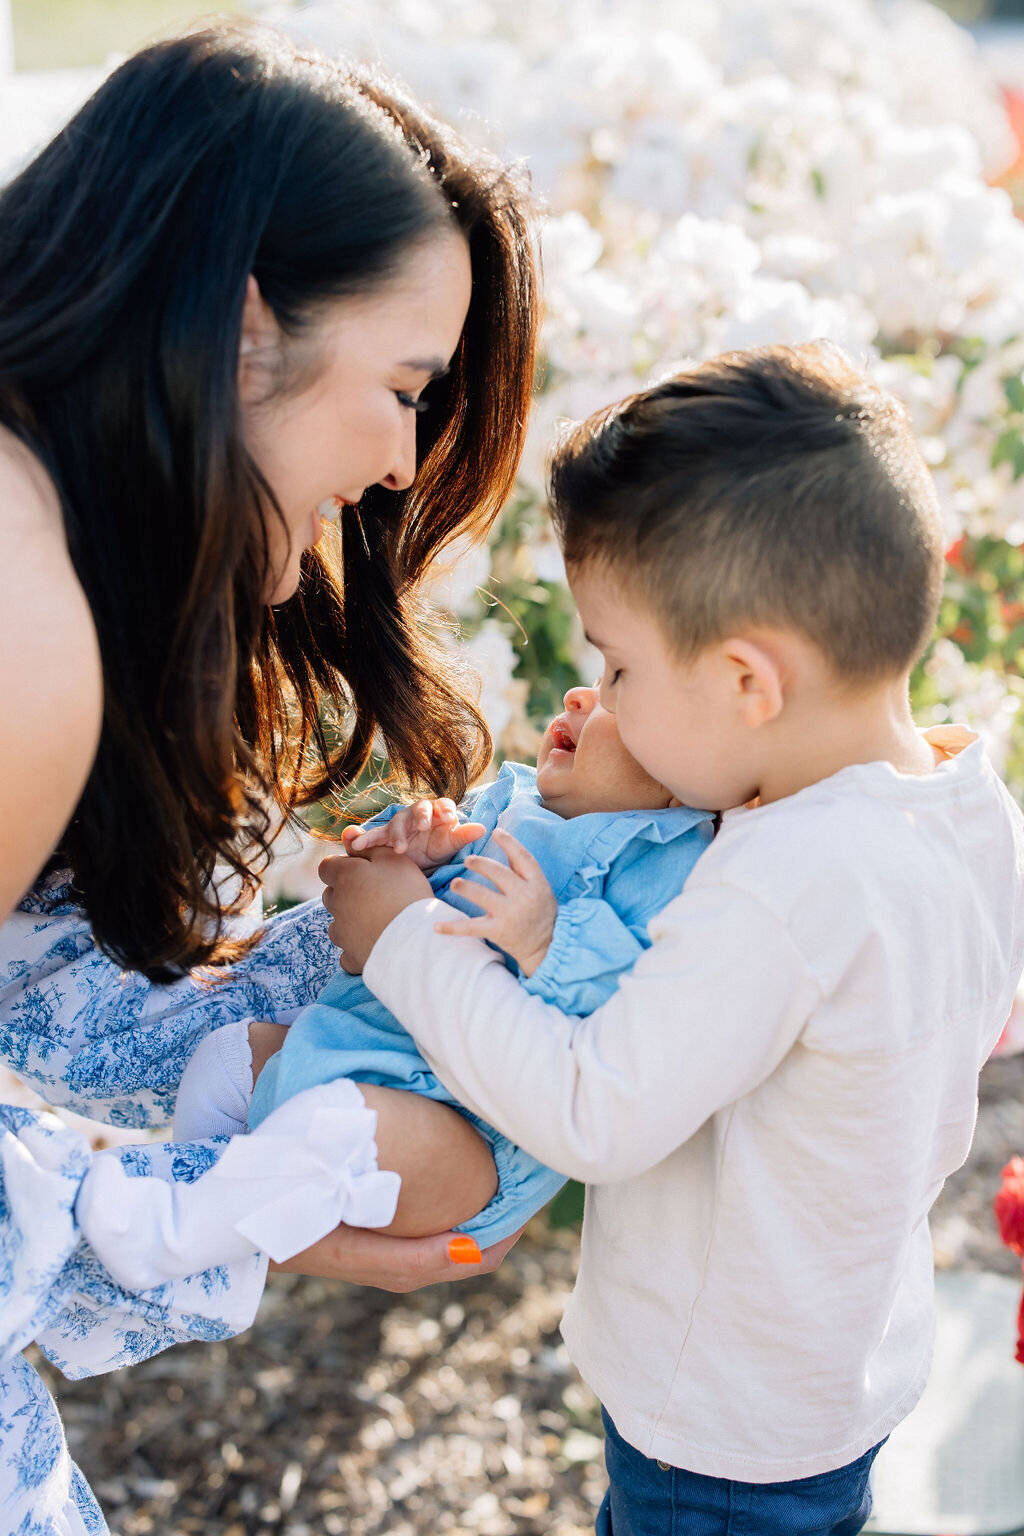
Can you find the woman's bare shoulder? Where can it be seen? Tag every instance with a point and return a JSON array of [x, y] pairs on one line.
[[37, 580], [28, 500], [51, 696]]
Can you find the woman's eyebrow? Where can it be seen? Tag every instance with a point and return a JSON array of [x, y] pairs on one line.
[[432, 366]]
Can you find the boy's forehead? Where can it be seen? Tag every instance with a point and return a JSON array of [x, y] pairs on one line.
[[610, 614]]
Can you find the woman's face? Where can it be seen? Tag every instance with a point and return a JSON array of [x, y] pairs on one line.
[[354, 425]]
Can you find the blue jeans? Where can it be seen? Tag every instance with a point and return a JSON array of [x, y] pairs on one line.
[[648, 1498]]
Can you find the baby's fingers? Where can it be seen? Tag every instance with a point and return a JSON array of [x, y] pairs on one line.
[[494, 870], [410, 823], [484, 896], [470, 927], [395, 833], [358, 839], [520, 860], [467, 833]]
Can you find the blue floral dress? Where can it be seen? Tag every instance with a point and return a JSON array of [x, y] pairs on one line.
[[112, 1045]]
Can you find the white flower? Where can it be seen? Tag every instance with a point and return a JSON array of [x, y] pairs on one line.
[[453, 584], [973, 696], [492, 656]]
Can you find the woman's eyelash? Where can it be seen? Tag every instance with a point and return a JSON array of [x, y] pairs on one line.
[[615, 677], [411, 404]]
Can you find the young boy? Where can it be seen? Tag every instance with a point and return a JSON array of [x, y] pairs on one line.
[[766, 1109]]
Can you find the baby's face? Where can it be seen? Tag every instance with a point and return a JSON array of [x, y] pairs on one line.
[[582, 765]]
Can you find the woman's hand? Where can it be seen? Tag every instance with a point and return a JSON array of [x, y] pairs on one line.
[[520, 910], [391, 1263], [428, 832], [363, 893]]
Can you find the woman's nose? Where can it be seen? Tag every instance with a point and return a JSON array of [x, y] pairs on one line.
[[403, 470], [581, 699]]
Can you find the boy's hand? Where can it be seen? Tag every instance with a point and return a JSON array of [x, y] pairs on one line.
[[519, 914], [363, 893], [427, 832]]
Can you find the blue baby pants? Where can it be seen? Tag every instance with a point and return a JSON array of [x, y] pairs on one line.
[[649, 1498], [348, 1033]]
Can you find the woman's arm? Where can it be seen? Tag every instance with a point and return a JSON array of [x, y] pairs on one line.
[[399, 1264], [50, 675]]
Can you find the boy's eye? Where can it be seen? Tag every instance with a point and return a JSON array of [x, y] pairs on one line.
[[410, 403]]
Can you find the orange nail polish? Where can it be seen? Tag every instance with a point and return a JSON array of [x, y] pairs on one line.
[[464, 1250]]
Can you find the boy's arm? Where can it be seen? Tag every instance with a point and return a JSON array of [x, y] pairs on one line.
[[705, 1016]]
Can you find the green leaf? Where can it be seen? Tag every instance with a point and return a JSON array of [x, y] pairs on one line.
[[1013, 387], [566, 1209], [1009, 449]]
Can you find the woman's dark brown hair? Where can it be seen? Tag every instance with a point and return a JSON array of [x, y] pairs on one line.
[[124, 252]]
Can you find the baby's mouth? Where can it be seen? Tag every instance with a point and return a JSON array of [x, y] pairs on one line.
[[561, 737]]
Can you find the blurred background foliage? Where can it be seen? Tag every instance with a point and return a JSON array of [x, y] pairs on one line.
[[73, 34]]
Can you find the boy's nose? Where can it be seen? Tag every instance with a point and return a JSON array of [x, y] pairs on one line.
[[580, 699]]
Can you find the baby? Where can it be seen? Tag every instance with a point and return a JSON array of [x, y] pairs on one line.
[[585, 850]]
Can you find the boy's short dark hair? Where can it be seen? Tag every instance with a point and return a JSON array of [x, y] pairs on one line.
[[774, 486]]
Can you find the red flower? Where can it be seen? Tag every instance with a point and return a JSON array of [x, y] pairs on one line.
[[1009, 1206], [1020, 1333], [955, 553]]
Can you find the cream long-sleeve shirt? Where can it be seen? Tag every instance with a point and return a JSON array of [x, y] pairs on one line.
[[763, 1113]]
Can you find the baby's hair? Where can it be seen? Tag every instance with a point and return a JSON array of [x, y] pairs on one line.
[[777, 486]]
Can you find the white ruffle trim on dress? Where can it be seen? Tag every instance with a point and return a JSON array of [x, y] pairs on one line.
[[309, 1166]]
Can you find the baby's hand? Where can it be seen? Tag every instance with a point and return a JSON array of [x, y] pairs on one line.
[[520, 911], [428, 832]]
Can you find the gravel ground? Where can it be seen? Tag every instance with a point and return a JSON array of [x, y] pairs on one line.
[[351, 1412]]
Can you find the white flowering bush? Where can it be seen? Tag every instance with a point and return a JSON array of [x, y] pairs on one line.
[[728, 175]]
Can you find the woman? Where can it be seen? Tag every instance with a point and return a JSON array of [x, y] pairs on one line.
[[239, 290]]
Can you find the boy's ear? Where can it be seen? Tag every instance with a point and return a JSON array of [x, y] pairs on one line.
[[755, 678]]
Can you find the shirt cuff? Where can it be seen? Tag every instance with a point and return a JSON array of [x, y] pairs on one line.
[[547, 978]]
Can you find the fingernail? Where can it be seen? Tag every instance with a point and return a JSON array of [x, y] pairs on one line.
[[464, 1250]]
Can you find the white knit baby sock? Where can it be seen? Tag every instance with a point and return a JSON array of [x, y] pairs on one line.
[[216, 1086]]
